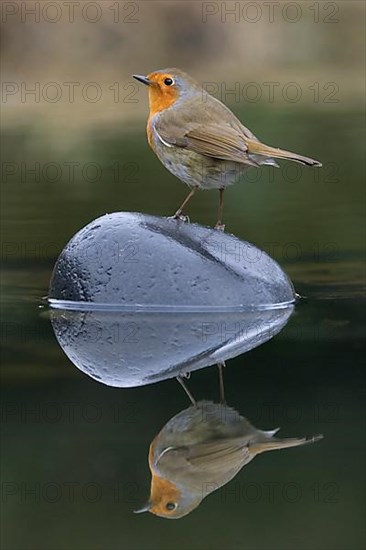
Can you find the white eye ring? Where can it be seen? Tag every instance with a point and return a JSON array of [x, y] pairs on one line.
[[171, 506], [168, 81]]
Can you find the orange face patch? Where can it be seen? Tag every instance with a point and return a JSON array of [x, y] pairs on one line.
[[162, 92], [162, 492]]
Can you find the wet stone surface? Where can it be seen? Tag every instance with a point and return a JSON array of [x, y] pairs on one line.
[[133, 259]]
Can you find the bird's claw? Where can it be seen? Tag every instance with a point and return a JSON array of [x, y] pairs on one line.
[[180, 217], [220, 226]]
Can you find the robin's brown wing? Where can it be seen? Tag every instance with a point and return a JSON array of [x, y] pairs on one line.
[[215, 454], [214, 462], [220, 141]]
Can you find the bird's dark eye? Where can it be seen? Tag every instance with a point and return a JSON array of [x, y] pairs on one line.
[[168, 81], [171, 506]]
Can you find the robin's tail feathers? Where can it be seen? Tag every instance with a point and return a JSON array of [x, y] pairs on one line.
[[257, 148], [275, 444]]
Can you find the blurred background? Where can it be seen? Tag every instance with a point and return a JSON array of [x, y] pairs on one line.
[[74, 452]]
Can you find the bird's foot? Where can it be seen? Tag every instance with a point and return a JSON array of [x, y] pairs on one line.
[[221, 378], [220, 226], [191, 398], [179, 216]]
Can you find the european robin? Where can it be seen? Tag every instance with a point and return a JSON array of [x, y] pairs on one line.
[[199, 450], [198, 139]]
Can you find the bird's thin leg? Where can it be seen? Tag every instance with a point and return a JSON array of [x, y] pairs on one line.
[[179, 212], [219, 225], [221, 378], [181, 382]]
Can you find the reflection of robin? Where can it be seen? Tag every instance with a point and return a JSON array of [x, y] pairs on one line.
[[199, 139], [199, 450]]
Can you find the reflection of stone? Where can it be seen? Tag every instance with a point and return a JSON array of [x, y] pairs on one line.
[[137, 299], [132, 349]]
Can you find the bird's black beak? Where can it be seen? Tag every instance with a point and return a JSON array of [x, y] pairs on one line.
[[142, 79], [145, 508]]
